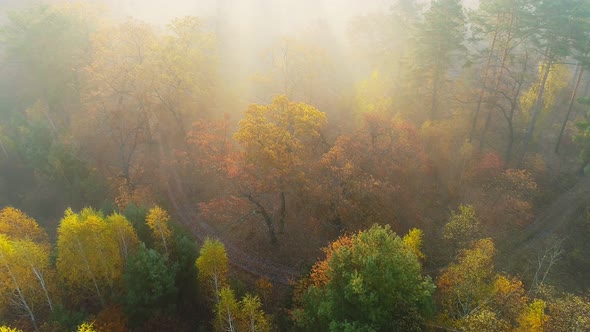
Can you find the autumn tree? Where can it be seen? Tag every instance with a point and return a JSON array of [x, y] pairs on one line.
[[465, 285], [278, 141], [473, 296], [158, 221], [569, 312], [16, 225], [370, 175], [89, 258], [252, 317], [463, 226], [533, 318], [25, 264], [243, 315], [372, 281], [124, 232], [212, 266], [16, 289]]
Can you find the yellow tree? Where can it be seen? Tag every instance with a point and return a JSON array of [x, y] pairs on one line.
[[16, 280], [226, 311], [17, 225], [466, 285], [8, 329], [212, 265], [36, 257], [252, 318], [31, 247], [123, 231], [533, 318], [413, 240], [157, 220], [243, 315], [88, 254], [278, 140]]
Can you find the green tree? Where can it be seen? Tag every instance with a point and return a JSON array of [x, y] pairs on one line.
[[438, 39], [370, 282], [149, 280]]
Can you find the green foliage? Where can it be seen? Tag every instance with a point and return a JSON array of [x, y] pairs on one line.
[[67, 319], [149, 284], [374, 283], [185, 252], [136, 214]]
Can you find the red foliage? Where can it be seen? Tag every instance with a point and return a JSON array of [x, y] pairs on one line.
[[489, 166]]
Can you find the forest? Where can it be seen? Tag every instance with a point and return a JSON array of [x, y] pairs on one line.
[[419, 167]]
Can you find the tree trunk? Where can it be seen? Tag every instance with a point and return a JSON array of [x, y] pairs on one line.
[[569, 109], [21, 296], [498, 80], [484, 86], [39, 276], [92, 276], [282, 213], [435, 86], [539, 102], [266, 217]]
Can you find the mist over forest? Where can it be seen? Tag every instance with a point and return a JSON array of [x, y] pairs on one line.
[[258, 165]]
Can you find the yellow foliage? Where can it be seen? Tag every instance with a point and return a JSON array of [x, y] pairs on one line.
[[371, 95], [212, 266], [414, 241], [86, 327], [157, 220], [17, 225], [88, 252], [9, 329], [24, 271], [556, 81], [278, 137], [123, 231], [533, 318]]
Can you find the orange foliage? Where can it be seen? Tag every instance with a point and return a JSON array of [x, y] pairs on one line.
[[111, 319], [320, 274], [225, 209], [489, 166]]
